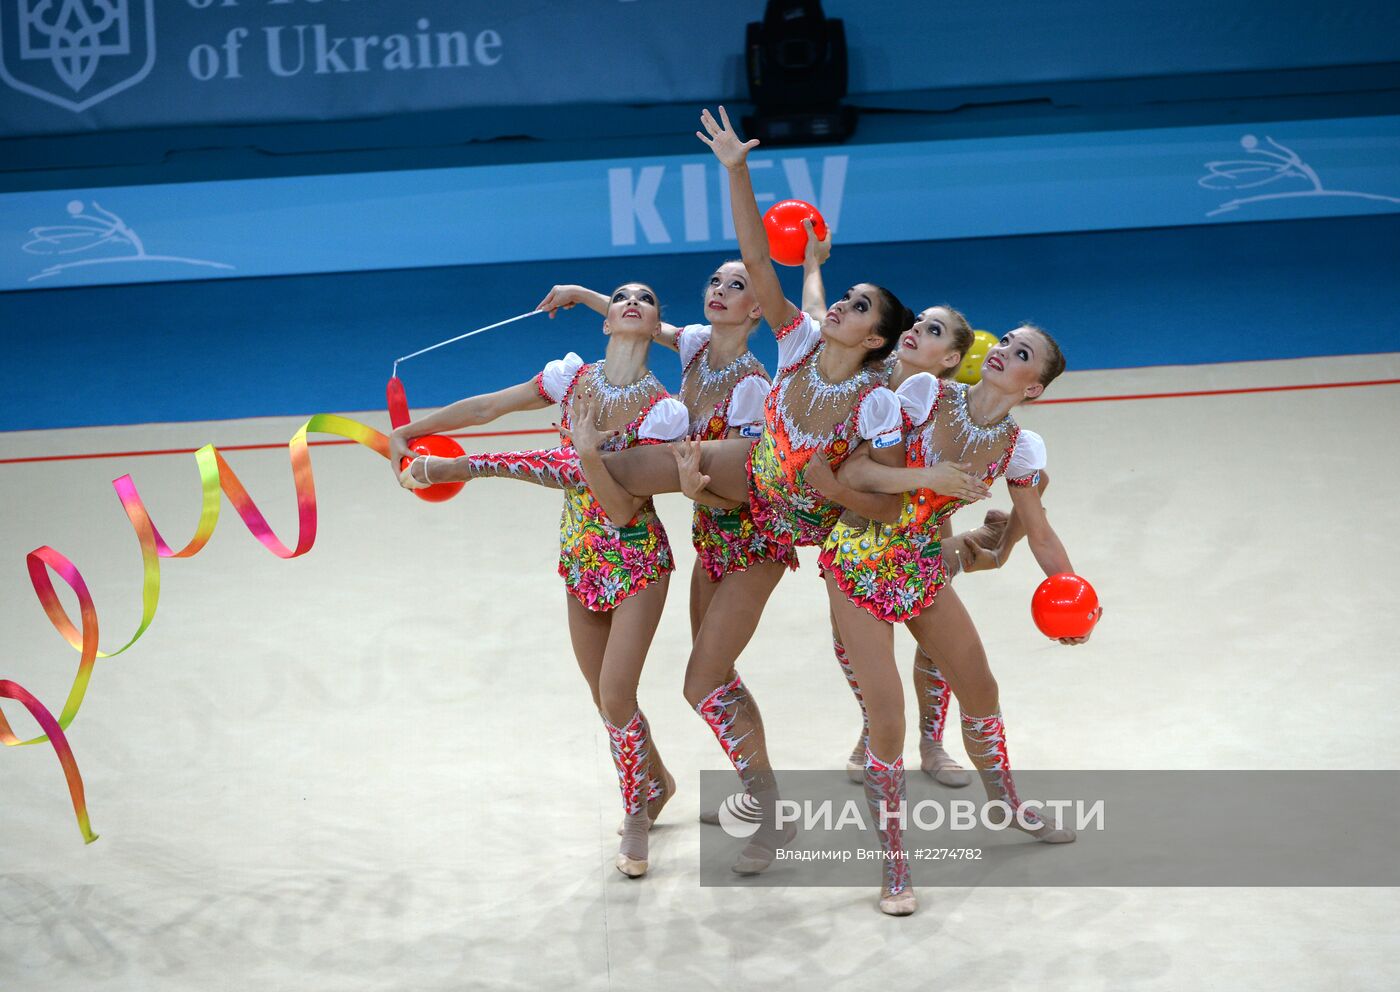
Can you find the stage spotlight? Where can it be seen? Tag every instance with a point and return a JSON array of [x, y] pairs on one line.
[[797, 76]]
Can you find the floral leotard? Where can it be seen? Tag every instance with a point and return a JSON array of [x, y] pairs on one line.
[[601, 564], [804, 413], [894, 571], [718, 400]]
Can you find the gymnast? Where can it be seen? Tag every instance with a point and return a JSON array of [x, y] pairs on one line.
[[613, 552]]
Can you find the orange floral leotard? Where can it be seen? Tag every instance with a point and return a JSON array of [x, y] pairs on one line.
[[802, 414]]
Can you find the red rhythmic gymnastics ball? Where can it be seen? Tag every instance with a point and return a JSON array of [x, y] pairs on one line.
[[787, 238], [443, 447], [1065, 605]]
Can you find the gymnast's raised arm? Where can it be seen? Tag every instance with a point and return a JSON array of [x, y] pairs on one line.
[[567, 296], [733, 154]]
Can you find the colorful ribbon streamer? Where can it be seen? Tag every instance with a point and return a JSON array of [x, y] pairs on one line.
[[215, 476]]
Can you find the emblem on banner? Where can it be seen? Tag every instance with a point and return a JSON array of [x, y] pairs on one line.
[[1271, 163], [76, 53], [102, 236]]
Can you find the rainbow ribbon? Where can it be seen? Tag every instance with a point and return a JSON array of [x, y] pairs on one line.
[[215, 475]]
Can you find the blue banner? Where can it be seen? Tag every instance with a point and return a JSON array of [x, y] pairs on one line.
[[79, 65], [85, 64], [869, 194]]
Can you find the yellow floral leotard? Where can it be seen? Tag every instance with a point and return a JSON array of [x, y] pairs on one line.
[[894, 571]]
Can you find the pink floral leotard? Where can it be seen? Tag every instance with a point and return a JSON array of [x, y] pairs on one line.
[[894, 571], [601, 564], [718, 400]]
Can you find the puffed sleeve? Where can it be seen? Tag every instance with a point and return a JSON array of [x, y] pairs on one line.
[[666, 421], [1027, 459], [553, 381], [796, 339], [917, 395], [746, 405], [690, 340], [878, 420]]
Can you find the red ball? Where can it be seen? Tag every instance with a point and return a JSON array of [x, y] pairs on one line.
[[787, 238], [443, 447], [1065, 605]]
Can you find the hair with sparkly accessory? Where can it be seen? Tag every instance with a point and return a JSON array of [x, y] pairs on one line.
[[1054, 361]]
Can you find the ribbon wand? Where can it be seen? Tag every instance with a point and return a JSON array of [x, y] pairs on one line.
[[394, 392]]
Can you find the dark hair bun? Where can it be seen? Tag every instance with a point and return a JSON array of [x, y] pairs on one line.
[[895, 318]]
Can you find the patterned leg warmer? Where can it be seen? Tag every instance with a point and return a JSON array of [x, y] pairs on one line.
[[855, 764], [554, 468], [732, 714], [886, 797], [985, 739], [631, 752], [933, 694]]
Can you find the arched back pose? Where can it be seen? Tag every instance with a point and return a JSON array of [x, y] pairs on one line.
[[827, 397], [878, 574], [613, 552], [723, 385], [936, 345]]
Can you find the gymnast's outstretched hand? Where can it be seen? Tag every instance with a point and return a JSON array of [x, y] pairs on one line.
[[724, 140], [568, 296]]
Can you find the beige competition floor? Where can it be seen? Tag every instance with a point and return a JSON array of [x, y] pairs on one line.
[[376, 767]]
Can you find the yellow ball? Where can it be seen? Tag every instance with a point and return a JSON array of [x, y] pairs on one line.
[[970, 371]]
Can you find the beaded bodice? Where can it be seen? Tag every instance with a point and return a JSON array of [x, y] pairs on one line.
[[622, 408], [706, 391], [950, 434]]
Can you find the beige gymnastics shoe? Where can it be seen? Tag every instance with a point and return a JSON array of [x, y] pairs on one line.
[[905, 903], [632, 852], [939, 765]]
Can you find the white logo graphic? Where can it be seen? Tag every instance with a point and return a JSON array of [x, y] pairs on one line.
[[739, 815], [1269, 167], [88, 233], [76, 53]]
